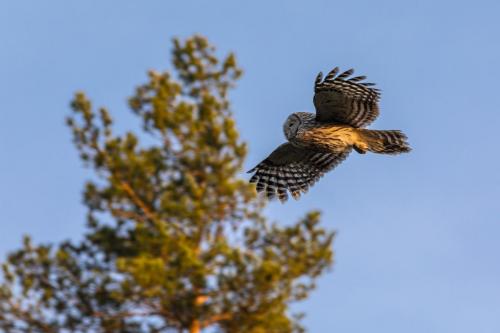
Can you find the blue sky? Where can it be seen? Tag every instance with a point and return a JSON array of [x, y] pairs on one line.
[[418, 235]]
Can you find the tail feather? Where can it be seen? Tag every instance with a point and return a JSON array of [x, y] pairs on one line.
[[383, 142]]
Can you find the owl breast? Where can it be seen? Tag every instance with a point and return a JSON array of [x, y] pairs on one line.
[[327, 138]]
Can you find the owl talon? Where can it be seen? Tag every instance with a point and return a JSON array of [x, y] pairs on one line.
[[359, 150]]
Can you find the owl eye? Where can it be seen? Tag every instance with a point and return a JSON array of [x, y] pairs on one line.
[[290, 125]]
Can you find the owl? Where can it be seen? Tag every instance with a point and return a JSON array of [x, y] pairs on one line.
[[318, 142]]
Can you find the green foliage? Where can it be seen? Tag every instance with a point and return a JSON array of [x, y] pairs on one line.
[[175, 239]]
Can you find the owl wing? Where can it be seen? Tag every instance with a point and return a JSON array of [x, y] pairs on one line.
[[292, 169], [339, 98]]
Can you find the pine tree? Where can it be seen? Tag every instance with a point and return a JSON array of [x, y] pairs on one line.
[[176, 240]]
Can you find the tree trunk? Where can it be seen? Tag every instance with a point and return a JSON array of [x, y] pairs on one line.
[[195, 327]]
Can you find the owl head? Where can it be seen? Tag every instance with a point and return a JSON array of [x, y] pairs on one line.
[[294, 122]]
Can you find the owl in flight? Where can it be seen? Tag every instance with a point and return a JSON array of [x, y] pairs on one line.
[[317, 143]]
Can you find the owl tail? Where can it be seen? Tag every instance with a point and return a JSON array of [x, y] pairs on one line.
[[381, 142]]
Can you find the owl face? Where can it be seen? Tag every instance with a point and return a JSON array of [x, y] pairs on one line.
[[291, 126]]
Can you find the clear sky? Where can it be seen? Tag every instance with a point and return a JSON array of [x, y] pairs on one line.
[[418, 235]]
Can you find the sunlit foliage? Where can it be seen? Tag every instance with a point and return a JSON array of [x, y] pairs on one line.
[[176, 240]]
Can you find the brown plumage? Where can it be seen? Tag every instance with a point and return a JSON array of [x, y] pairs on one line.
[[319, 142]]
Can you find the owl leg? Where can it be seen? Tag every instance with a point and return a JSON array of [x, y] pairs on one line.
[[360, 150]]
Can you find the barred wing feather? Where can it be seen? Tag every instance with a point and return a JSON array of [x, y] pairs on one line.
[[292, 169], [344, 99]]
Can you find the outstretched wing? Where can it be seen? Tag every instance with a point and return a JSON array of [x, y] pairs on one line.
[[292, 169], [340, 98]]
